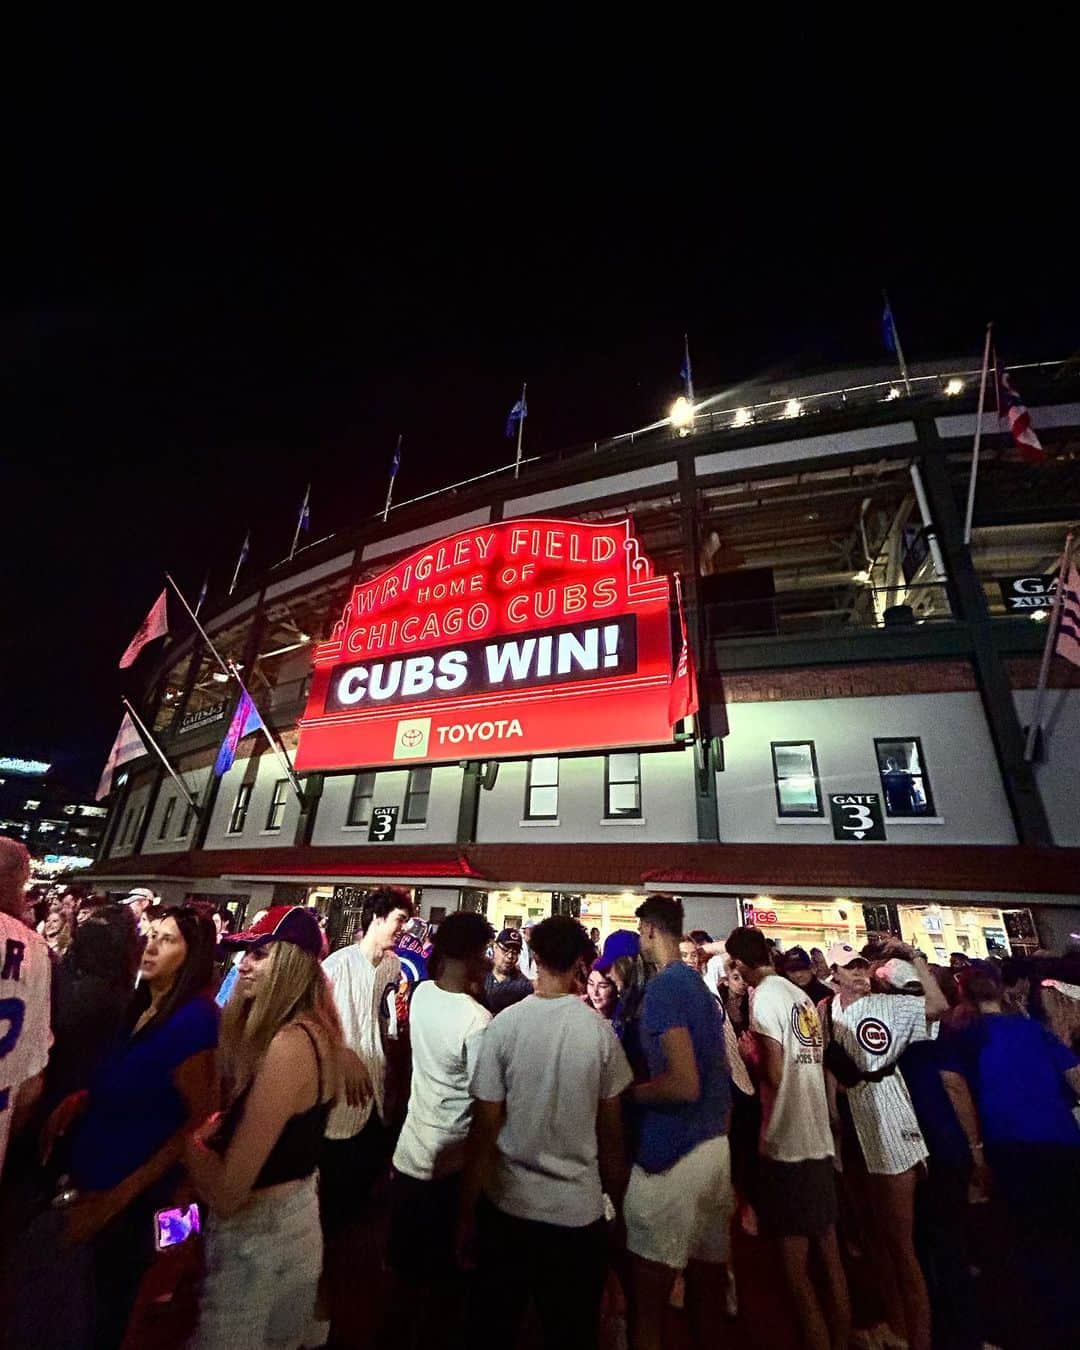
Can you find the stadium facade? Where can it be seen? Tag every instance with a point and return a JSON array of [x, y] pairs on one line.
[[478, 694]]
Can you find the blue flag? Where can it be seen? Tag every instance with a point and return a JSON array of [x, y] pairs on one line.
[[305, 512], [202, 594], [518, 413], [395, 463], [888, 328], [686, 373], [245, 720]]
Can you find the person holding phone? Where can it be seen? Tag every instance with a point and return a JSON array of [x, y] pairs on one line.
[[157, 1083], [283, 1061]]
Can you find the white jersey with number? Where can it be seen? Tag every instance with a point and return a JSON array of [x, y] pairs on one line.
[[25, 1033], [875, 1031]]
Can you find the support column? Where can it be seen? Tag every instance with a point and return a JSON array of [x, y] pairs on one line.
[[704, 769], [469, 804], [969, 606]]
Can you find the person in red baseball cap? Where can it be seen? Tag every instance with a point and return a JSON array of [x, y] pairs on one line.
[[254, 1164]]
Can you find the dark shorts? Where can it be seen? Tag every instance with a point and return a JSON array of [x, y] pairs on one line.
[[796, 1199], [349, 1171], [423, 1222]]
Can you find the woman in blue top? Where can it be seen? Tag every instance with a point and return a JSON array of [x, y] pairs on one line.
[[158, 1084]]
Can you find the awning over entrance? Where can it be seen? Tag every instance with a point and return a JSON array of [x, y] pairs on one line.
[[889, 868]]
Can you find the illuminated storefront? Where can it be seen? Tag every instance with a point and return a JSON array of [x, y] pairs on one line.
[[938, 930]]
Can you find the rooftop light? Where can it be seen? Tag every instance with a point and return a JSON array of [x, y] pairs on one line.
[[893, 393], [954, 387], [792, 408], [682, 415], [743, 417]]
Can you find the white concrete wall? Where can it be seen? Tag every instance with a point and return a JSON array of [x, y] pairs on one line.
[[441, 825], [195, 781], [136, 803], [667, 801], [959, 760], [254, 833], [1059, 776]]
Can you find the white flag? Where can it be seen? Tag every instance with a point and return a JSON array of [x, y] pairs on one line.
[[1068, 639], [128, 745], [155, 625]]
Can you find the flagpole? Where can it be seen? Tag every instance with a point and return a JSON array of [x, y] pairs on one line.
[[299, 523], [239, 563], [1048, 652], [390, 486], [229, 668], [145, 734], [973, 478], [521, 431], [896, 340]]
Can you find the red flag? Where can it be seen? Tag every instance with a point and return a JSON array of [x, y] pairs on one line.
[[683, 695], [1011, 410], [155, 625]]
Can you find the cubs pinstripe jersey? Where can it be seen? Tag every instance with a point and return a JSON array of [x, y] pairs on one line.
[[25, 1034], [875, 1031]]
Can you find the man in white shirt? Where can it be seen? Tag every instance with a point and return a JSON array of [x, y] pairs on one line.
[[545, 1144], [797, 1196], [526, 959], [355, 1150], [446, 1029], [25, 977]]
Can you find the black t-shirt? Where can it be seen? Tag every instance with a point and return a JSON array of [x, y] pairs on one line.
[[505, 993]]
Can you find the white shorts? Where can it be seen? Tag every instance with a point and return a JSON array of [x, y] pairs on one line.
[[683, 1214]]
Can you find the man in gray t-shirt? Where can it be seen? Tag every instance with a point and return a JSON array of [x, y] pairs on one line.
[[546, 1143]]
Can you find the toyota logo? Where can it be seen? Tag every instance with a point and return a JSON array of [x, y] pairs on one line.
[[412, 737]]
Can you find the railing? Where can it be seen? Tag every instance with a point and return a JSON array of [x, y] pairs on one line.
[[832, 609]]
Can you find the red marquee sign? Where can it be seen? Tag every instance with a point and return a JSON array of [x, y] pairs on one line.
[[519, 638]]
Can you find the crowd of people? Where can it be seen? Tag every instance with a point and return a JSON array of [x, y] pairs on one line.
[[240, 1140]]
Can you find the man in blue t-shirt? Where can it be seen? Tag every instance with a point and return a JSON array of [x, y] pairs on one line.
[[679, 1201]]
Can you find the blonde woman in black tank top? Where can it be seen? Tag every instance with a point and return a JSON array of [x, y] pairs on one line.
[[254, 1164]]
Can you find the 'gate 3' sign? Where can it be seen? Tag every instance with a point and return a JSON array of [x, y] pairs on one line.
[[519, 638]]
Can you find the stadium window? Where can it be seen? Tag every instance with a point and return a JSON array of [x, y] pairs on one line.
[[905, 785], [416, 796], [240, 809], [795, 774], [125, 832], [363, 793], [189, 816], [276, 815], [542, 789], [166, 818], [622, 786]]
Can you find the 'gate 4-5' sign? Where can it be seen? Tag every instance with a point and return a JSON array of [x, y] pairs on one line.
[[856, 816], [519, 638], [1024, 594]]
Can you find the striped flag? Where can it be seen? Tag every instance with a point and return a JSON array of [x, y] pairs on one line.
[[1068, 638], [1012, 410], [245, 720], [128, 745]]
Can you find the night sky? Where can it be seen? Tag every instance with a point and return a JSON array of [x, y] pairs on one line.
[[218, 294]]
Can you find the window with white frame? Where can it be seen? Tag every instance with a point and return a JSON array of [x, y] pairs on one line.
[[363, 794], [189, 816], [166, 818], [905, 785], [795, 774], [622, 786], [417, 792], [275, 817], [542, 789], [240, 809]]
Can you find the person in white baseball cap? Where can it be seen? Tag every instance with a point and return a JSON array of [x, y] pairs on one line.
[[141, 899]]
